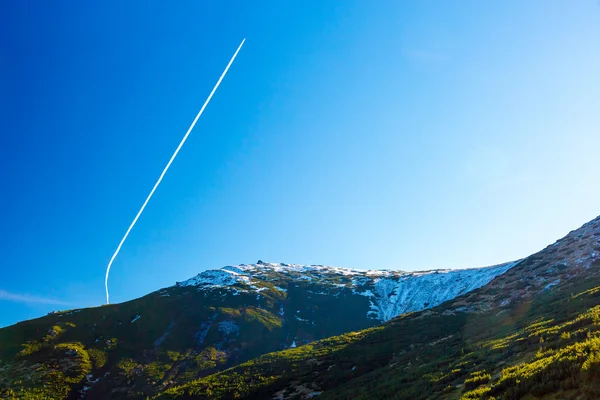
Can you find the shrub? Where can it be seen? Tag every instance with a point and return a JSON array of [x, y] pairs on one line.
[[477, 379]]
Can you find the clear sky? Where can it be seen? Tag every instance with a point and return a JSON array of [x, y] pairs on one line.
[[366, 134]]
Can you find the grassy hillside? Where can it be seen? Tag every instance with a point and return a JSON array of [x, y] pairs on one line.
[[547, 346], [532, 333], [138, 348]]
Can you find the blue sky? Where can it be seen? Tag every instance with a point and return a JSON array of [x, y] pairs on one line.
[[367, 134]]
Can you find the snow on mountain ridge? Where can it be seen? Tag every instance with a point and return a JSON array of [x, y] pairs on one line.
[[390, 293], [215, 278]]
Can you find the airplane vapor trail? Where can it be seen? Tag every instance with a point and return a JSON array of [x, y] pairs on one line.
[[167, 167]]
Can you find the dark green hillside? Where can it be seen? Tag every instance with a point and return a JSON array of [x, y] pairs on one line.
[[169, 337]]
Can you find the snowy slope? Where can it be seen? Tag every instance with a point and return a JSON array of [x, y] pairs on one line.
[[390, 293], [392, 296]]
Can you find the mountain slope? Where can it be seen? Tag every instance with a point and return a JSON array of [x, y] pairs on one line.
[[532, 332], [211, 322]]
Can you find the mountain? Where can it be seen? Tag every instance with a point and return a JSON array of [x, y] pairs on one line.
[[216, 320], [210, 322], [389, 293], [288, 331], [531, 333]]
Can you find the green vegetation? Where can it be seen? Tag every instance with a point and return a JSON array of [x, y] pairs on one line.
[[476, 379], [546, 346], [168, 338], [97, 357], [264, 318]]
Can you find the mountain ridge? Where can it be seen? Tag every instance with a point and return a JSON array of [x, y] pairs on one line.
[[391, 292], [210, 322]]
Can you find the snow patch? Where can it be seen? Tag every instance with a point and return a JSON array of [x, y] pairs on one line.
[[553, 283], [229, 328], [366, 293], [393, 296], [216, 279], [161, 339]]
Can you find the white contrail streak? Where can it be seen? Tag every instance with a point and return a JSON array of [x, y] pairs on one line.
[[167, 167]]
